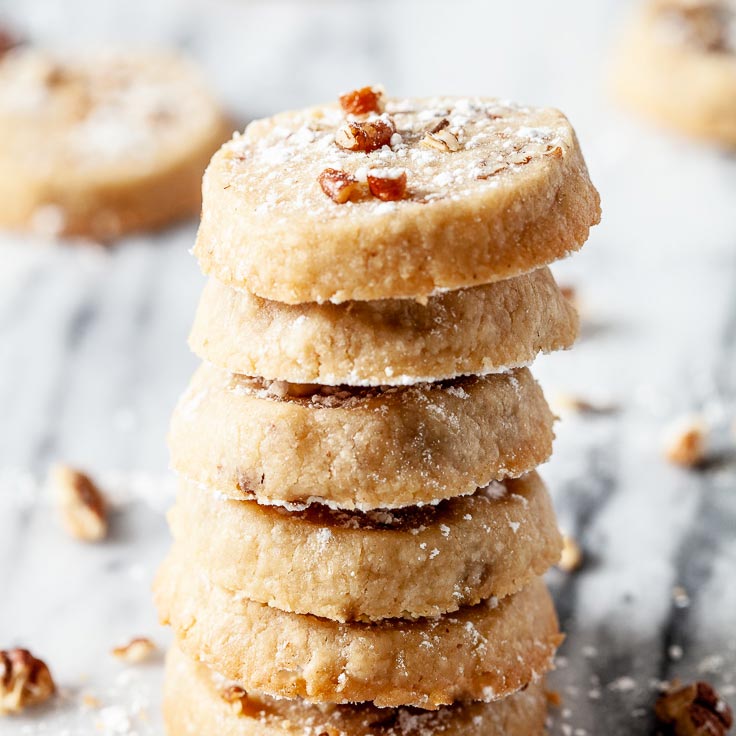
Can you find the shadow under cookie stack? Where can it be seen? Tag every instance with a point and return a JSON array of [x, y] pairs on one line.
[[360, 531]]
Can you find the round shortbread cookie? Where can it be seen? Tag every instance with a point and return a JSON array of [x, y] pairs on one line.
[[484, 329], [484, 652], [198, 701], [351, 566], [362, 448], [103, 144], [678, 65], [515, 195]]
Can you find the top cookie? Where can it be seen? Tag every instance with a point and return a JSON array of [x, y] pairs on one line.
[[102, 144], [439, 193]]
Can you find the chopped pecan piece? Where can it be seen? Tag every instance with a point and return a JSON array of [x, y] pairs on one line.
[[235, 695], [488, 169], [363, 101], [554, 699], [441, 140], [82, 505], [240, 701], [570, 293], [339, 186], [366, 136], [580, 405], [135, 651], [441, 125], [24, 681], [686, 443], [388, 186], [694, 710]]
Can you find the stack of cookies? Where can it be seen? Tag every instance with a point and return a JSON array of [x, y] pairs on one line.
[[360, 530]]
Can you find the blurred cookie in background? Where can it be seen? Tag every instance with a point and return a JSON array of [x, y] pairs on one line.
[[678, 65], [99, 145]]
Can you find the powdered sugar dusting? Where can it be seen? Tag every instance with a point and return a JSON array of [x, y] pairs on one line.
[[106, 108], [275, 163]]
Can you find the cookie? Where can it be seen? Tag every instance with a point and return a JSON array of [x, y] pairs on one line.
[[361, 448], [484, 652], [350, 566], [678, 65], [484, 329], [103, 144], [198, 701], [494, 190]]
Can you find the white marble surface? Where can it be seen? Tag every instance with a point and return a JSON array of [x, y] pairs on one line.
[[93, 353]]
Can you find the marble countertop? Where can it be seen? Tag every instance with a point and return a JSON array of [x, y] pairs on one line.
[[93, 355]]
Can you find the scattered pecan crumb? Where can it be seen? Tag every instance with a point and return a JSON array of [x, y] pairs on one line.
[[387, 186], [694, 710], [553, 697], [365, 136], [571, 558], [441, 140], [82, 505], [338, 185], [135, 651], [579, 405], [90, 701], [570, 293], [24, 681], [363, 101], [686, 442]]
